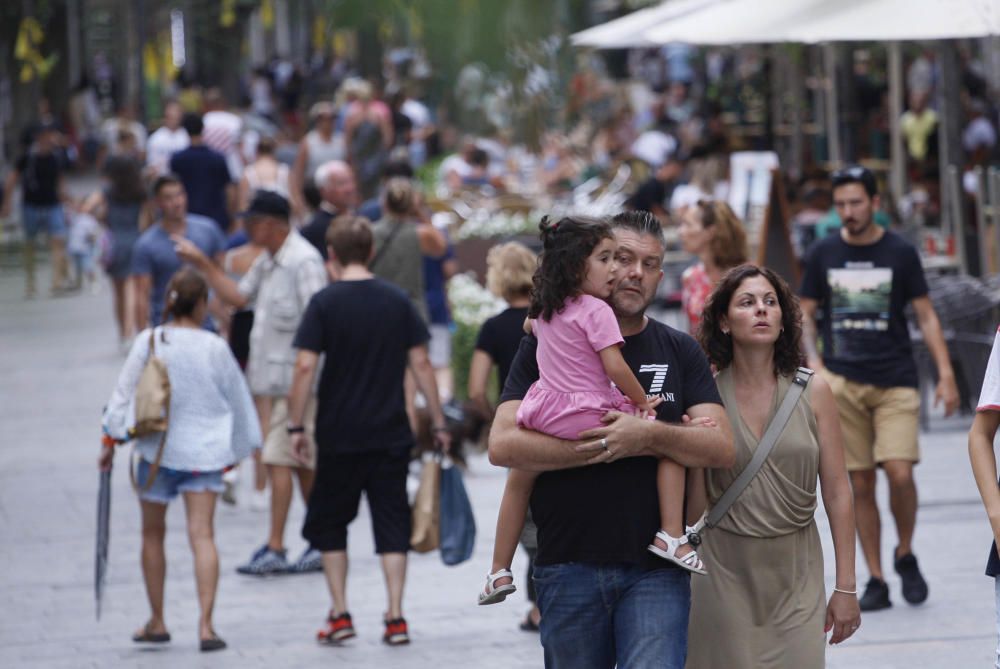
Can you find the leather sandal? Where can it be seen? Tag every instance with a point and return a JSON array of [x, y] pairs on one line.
[[147, 636]]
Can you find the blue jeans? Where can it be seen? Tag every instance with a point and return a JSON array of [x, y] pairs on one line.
[[599, 616], [171, 482]]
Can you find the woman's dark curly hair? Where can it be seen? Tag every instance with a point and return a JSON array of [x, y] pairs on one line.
[[719, 346], [562, 267]]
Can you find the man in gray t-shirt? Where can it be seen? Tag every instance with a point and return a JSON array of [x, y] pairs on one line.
[[155, 258]]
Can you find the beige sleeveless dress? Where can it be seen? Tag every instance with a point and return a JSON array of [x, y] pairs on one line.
[[762, 604]]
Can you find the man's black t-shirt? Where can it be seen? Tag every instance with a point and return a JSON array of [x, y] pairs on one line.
[[40, 178], [608, 513], [205, 175], [500, 336], [862, 291], [366, 329]]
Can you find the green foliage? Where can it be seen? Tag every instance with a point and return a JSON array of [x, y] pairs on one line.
[[463, 343]]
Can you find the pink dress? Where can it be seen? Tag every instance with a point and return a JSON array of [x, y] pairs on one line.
[[573, 392]]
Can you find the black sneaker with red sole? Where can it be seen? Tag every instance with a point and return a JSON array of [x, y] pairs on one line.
[[338, 628], [396, 632]]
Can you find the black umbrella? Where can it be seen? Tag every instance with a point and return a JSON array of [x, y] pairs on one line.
[[103, 536]]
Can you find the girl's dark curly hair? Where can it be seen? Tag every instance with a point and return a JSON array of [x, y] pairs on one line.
[[719, 346], [562, 267]]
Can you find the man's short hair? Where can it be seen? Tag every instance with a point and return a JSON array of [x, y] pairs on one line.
[[351, 239], [855, 174], [193, 124], [641, 222], [165, 180], [397, 168]]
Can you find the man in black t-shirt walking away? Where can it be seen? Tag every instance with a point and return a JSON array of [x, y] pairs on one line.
[[862, 279], [369, 331], [40, 173], [606, 600]]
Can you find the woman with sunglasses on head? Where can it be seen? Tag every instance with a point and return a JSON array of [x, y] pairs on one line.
[[764, 605], [711, 231]]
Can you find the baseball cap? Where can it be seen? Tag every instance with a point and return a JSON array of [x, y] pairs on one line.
[[268, 203]]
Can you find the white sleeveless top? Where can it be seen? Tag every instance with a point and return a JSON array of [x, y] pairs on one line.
[[279, 184]]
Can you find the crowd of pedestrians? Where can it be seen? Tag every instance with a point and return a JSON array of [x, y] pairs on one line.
[[294, 289]]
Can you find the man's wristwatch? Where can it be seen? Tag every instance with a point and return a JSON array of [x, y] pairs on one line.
[[295, 429]]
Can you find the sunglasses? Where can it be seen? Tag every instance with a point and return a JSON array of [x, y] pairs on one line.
[[854, 173]]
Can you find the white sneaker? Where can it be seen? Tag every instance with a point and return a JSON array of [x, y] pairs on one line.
[[259, 500]]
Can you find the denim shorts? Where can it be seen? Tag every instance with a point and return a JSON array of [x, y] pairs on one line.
[[47, 219], [169, 482]]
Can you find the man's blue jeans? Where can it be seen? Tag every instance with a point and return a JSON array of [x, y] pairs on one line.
[[598, 616]]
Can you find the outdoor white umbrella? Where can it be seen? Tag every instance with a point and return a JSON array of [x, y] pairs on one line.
[[812, 21], [899, 20], [624, 32]]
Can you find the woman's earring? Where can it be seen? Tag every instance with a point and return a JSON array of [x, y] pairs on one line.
[[725, 332]]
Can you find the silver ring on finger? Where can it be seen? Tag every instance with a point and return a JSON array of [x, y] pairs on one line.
[[604, 444]]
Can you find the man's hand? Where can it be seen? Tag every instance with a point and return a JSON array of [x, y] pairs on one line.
[[442, 440], [187, 251], [947, 392], [621, 437], [301, 448]]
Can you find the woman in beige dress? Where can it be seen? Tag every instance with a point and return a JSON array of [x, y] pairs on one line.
[[763, 604]]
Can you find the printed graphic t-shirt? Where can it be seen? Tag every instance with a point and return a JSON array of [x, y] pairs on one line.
[[608, 513], [862, 292]]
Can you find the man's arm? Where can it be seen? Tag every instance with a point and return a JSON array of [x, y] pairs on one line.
[[514, 446], [809, 333], [930, 326], [298, 395], [423, 374], [224, 288], [143, 285], [707, 445]]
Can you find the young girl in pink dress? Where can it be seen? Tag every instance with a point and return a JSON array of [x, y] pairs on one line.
[[581, 377]]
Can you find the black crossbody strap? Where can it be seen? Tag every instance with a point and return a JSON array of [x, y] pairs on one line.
[[397, 226]]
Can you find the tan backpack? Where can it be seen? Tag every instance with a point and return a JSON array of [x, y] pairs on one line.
[[152, 408]]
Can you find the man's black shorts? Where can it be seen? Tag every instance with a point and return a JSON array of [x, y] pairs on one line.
[[336, 493]]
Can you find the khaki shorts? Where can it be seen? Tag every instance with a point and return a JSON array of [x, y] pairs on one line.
[[278, 444], [879, 424]]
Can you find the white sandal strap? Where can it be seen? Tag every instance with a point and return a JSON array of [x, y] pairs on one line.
[[491, 579]]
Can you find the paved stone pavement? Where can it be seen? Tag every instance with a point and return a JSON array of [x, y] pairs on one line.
[[58, 361]]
